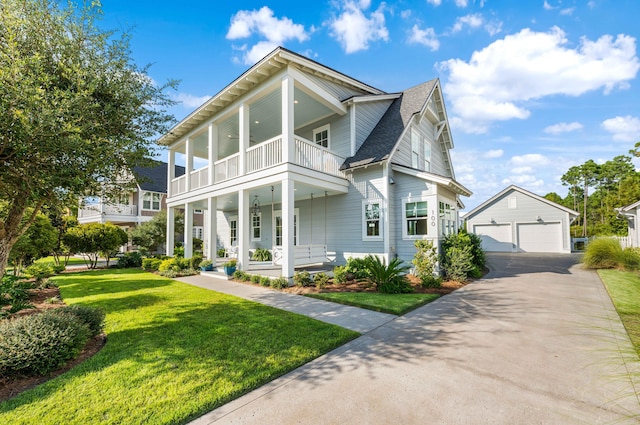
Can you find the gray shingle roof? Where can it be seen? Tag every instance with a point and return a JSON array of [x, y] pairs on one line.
[[379, 145], [154, 178]]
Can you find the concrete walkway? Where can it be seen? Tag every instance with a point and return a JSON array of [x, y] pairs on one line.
[[348, 317], [535, 342]]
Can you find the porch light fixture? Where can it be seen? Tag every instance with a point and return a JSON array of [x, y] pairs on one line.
[[255, 208]]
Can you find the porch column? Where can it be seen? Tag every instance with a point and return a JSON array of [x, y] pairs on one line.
[[385, 213], [188, 230], [171, 170], [243, 229], [212, 229], [288, 143], [171, 228], [188, 164], [213, 152], [288, 210], [243, 137]]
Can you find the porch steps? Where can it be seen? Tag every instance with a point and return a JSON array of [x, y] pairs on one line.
[[220, 274]]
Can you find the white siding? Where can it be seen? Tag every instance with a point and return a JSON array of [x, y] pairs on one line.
[[339, 140], [427, 130], [339, 91]]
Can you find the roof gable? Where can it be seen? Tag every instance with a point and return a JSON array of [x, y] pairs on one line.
[[630, 207], [515, 188], [382, 140], [154, 177]]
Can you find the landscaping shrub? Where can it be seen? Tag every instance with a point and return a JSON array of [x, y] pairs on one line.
[[255, 279], [458, 264], [38, 344], [151, 263], [302, 278], [425, 260], [261, 254], [220, 253], [603, 253], [129, 260], [340, 274], [265, 281], [241, 276], [462, 256], [168, 273], [357, 267], [58, 268], [171, 264], [630, 258], [39, 271], [430, 281], [389, 279], [321, 280], [90, 316], [14, 291], [194, 262], [279, 283]]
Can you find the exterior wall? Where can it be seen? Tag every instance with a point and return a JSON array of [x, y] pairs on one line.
[[634, 228], [427, 130], [339, 141], [367, 116], [406, 186], [527, 210]]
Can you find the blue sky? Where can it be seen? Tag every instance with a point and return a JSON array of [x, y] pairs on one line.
[[531, 87]]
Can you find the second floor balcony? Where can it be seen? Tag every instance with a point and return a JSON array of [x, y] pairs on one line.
[[103, 209], [257, 158]]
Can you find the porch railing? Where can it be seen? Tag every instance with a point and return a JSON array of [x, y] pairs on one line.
[[264, 155], [226, 168], [316, 157], [200, 178], [107, 209]]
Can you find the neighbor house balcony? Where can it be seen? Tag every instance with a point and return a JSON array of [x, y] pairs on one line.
[[110, 212], [260, 157]]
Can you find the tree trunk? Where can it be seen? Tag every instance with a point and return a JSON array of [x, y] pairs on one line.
[[13, 227], [586, 197]]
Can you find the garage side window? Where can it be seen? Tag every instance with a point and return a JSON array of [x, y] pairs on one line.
[[416, 218]]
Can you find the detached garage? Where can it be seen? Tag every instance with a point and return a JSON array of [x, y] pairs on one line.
[[516, 220]]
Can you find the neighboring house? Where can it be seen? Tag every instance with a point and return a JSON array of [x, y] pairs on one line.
[[315, 166], [631, 213], [516, 220], [139, 205]]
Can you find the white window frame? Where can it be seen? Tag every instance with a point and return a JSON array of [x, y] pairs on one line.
[[255, 238], [197, 211], [296, 226], [327, 128], [233, 239], [415, 148], [512, 203], [365, 220], [426, 148], [152, 201], [198, 232], [429, 218]]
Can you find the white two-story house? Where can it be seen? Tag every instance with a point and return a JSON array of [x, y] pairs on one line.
[[315, 166]]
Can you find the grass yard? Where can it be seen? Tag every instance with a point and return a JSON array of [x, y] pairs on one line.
[[73, 261], [174, 352], [624, 289], [397, 304]]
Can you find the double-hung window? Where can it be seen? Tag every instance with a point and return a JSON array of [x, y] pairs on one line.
[[321, 136], [255, 227], [416, 218], [151, 201], [415, 148], [372, 214]]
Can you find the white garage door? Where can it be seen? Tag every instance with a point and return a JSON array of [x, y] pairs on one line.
[[495, 237], [539, 237]]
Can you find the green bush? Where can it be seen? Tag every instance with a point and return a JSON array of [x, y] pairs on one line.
[[302, 278], [265, 281], [389, 279], [90, 316], [14, 291], [40, 271], [425, 259], [430, 281], [220, 253], [194, 262], [255, 278], [603, 253], [151, 263], [38, 344], [169, 264], [129, 260], [462, 255], [279, 283], [357, 267], [241, 276], [340, 274], [630, 259], [58, 268], [168, 273], [321, 280], [459, 263], [261, 254]]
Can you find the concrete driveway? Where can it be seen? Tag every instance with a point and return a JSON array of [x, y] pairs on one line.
[[535, 342]]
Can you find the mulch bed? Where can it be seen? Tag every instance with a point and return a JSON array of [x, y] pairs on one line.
[[11, 387]]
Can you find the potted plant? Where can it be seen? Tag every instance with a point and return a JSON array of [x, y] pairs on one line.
[[230, 267], [206, 265]]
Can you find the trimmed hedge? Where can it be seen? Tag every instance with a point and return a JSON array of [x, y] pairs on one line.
[[38, 344]]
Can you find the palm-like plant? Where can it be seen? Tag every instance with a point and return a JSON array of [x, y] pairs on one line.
[[389, 279]]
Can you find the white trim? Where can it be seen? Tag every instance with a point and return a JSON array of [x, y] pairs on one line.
[[233, 218], [431, 219], [259, 227], [363, 217], [278, 213], [317, 130], [151, 201]]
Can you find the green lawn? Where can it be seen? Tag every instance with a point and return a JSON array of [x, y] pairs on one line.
[[397, 304], [174, 352], [624, 289], [73, 261]]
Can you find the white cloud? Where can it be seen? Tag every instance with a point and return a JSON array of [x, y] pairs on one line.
[[435, 2], [461, 3], [498, 81], [354, 31], [625, 129], [190, 101], [426, 37], [262, 23], [406, 14], [522, 170], [563, 127], [527, 181], [472, 21], [547, 6], [568, 11], [529, 159], [493, 153]]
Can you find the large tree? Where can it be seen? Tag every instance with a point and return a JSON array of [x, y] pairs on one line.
[[75, 111]]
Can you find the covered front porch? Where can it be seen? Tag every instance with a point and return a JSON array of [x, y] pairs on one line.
[[286, 219]]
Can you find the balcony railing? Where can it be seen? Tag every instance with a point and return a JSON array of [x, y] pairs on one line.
[[108, 209], [262, 156]]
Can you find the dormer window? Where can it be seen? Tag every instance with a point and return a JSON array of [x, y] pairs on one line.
[[321, 136]]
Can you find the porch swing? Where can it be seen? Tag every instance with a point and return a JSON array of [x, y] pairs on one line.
[[304, 255]]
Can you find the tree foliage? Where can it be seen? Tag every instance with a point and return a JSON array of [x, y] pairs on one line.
[[95, 240], [75, 111], [152, 235], [37, 242]]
